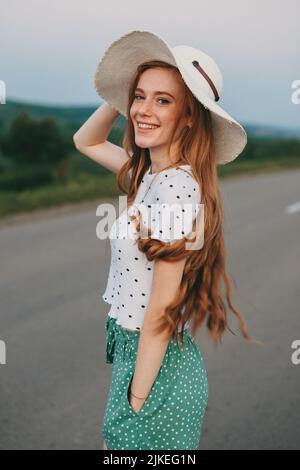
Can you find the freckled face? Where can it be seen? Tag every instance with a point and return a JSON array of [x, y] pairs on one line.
[[156, 108]]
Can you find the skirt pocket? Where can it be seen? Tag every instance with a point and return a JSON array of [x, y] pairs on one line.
[[127, 395], [152, 402]]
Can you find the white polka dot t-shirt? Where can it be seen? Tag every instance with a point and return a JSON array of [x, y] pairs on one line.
[[169, 209]]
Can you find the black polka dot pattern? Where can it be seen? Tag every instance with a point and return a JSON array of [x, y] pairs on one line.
[[169, 209], [177, 204]]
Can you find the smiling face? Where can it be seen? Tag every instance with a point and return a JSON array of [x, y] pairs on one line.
[[158, 101]]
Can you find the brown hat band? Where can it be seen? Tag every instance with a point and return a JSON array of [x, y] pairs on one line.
[[212, 86]]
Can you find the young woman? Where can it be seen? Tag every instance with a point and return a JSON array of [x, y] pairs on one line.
[[161, 280]]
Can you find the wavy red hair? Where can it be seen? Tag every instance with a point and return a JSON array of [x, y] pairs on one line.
[[200, 292]]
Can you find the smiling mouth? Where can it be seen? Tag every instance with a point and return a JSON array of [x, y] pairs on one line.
[[145, 129]]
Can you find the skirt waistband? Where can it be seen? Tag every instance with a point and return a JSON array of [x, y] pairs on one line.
[[127, 340]]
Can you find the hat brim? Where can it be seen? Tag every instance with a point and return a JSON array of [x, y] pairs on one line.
[[118, 65]]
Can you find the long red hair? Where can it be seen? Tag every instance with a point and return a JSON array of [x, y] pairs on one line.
[[200, 291]]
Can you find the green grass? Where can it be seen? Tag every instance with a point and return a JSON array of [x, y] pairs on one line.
[[89, 187], [257, 166], [81, 189]]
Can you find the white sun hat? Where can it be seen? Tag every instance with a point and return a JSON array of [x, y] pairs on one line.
[[199, 71]]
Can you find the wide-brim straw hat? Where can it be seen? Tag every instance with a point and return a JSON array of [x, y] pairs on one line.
[[199, 71]]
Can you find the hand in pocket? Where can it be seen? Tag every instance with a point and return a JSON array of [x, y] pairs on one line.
[[135, 403]]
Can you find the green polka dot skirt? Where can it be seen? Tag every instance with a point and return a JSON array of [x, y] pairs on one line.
[[173, 413]]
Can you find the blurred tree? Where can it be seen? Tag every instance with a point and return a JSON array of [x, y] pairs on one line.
[[29, 141], [61, 173]]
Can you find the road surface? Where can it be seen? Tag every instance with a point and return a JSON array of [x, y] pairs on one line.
[[54, 384]]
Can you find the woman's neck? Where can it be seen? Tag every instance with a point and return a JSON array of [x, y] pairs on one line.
[[154, 168]]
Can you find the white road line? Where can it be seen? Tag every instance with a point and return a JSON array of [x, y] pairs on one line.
[[292, 208]]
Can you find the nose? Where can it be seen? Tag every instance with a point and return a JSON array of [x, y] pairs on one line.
[[145, 107]]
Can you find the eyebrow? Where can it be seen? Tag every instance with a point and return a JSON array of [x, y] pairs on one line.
[[157, 92]]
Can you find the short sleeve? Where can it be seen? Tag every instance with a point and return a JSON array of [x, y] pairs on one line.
[[174, 206]]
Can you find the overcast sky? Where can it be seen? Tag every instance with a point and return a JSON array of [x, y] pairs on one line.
[[50, 48]]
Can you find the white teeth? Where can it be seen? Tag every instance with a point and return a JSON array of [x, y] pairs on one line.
[[147, 126]]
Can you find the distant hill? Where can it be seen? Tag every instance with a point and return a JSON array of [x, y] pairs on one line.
[[72, 117], [272, 131]]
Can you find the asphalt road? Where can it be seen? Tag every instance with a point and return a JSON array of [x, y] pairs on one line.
[[54, 384]]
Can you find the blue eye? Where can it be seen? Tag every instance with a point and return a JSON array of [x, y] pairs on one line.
[[160, 99]]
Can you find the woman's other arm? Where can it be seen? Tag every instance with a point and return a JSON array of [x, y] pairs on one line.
[[152, 348]]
